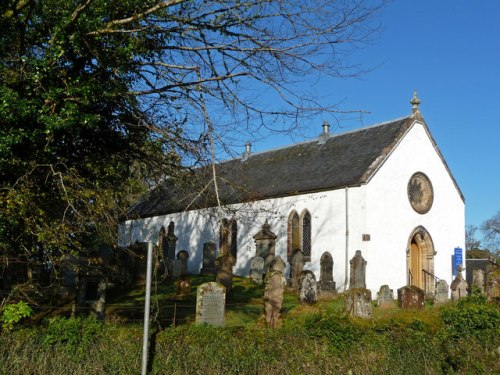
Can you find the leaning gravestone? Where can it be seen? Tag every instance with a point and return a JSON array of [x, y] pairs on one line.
[[210, 304], [411, 297], [208, 267], [326, 285], [385, 297], [308, 292], [296, 268], [358, 302], [478, 279], [182, 257], [257, 270], [273, 297], [458, 287], [358, 271], [442, 289], [278, 265], [224, 266]]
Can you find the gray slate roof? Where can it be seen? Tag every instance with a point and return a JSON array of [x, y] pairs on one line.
[[347, 159]]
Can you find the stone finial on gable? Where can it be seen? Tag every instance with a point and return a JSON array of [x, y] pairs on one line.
[[415, 102]]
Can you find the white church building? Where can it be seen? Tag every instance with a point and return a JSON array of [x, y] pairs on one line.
[[385, 190]]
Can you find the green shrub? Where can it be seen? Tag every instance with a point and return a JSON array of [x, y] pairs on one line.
[[13, 313]]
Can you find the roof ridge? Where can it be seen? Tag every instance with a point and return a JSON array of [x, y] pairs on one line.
[[315, 140]]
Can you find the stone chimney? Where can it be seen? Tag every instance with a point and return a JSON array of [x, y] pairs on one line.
[[248, 151], [323, 137]]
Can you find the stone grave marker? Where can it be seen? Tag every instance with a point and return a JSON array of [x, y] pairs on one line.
[[326, 285], [210, 304], [411, 297], [358, 271], [308, 292], [208, 267], [265, 245], [182, 257], [358, 302], [296, 268], [273, 297], [478, 279], [385, 298], [458, 286], [224, 268], [176, 269], [442, 289], [257, 270], [278, 265]]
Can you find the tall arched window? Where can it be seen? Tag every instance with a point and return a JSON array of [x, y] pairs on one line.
[[306, 235], [293, 234], [234, 238]]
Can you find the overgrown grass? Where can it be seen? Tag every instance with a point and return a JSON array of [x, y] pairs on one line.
[[320, 339]]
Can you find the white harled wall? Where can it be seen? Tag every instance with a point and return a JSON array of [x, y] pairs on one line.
[[380, 209]]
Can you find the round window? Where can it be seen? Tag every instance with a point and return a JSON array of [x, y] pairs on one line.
[[420, 193]]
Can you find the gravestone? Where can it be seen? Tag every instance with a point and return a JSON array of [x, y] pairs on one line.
[[257, 270], [308, 292], [91, 298], [326, 285], [442, 289], [265, 245], [170, 242], [183, 288], [411, 297], [358, 271], [224, 268], [278, 265], [273, 297], [458, 286], [385, 298], [478, 279], [208, 267], [176, 266], [296, 268], [210, 304], [182, 257], [358, 302]]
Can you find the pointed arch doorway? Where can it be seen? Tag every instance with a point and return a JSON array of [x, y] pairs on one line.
[[420, 260]]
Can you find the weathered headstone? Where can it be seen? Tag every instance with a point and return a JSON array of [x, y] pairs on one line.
[[183, 287], [210, 304], [458, 286], [442, 289], [170, 242], [273, 297], [358, 271], [224, 266], [385, 298], [257, 270], [182, 257], [278, 265], [208, 267], [296, 268], [265, 244], [176, 266], [326, 285], [308, 292], [411, 297], [358, 302], [478, 279]]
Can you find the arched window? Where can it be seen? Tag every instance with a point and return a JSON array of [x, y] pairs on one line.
[[228, 237], [306, 235], [234, 238], [293, 234]]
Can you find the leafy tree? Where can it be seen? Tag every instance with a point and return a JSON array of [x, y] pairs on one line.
[[100, 98]]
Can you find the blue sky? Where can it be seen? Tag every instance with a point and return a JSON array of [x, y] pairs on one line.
[[449, 51]]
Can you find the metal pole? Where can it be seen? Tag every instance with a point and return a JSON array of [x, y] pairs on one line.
[[346, 280], [147, 304]]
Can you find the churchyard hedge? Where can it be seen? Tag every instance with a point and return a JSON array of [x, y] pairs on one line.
[[460, 338]]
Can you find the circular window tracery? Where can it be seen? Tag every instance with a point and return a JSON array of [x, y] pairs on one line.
[[420, 193]]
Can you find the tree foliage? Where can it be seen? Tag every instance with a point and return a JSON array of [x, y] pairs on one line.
[[491, 230], [101, 97]]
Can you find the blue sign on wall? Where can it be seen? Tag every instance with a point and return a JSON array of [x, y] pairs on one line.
[[457, 259]]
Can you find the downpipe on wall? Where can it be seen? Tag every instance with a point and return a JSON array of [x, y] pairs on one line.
[[346, 238]]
